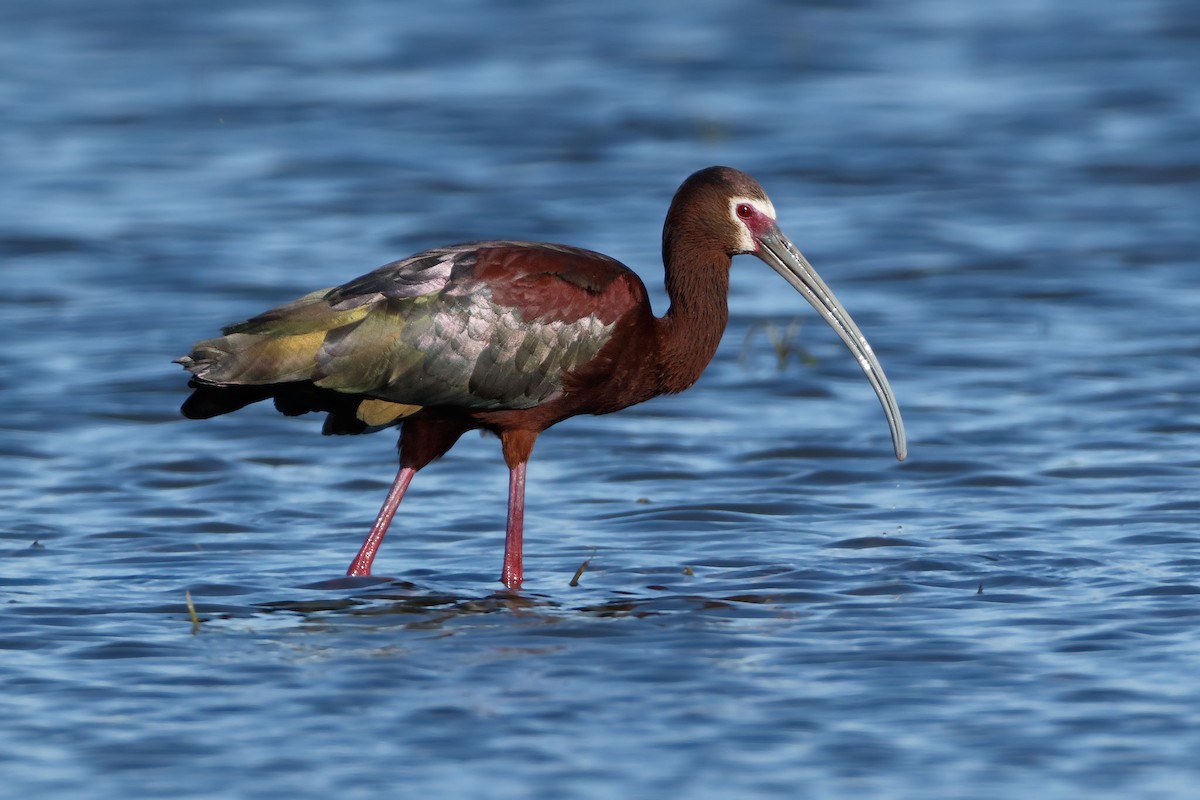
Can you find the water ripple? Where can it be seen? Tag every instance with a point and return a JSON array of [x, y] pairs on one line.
[[1004, 196]]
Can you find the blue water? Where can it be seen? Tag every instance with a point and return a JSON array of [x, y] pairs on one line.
[[1005, 196]]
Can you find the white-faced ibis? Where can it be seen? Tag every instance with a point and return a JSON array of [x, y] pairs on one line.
[[510, 337]]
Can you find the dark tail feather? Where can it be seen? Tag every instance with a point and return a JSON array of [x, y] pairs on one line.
[[212, 401], [304, 398], [341, 424], [292, 399]]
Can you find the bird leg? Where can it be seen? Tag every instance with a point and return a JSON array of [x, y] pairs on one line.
[[366, 554], [423, 438], [517, 447], [513, 572]]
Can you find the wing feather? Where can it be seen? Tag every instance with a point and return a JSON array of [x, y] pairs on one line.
[[486, 326]]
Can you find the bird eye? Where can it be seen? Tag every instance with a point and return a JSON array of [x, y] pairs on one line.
[[744, 211]]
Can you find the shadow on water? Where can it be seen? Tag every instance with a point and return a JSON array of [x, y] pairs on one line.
[[734, 590], [384, 598], [389, 602]]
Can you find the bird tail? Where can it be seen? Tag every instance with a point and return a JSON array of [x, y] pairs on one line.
[[274, 355]]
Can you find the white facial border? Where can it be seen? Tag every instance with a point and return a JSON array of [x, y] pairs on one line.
[[763, 206]]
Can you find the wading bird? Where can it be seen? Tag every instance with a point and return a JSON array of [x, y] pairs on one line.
[[510, 337]]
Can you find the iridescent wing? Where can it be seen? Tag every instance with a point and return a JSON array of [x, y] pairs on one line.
[[482, 326]]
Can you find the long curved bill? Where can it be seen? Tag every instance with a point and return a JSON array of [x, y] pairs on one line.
[[784, 258]]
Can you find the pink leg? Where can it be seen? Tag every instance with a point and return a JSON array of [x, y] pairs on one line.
[[513, 572], [366, 554]]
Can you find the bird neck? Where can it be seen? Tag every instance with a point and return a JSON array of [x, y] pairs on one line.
[[691, 330]]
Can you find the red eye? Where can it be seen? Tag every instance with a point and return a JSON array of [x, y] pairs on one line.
[[745, 211]]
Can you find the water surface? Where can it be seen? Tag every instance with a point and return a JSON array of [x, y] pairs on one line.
[[1006, 200]]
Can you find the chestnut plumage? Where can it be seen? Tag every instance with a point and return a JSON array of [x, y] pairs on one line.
[[510, 337]]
